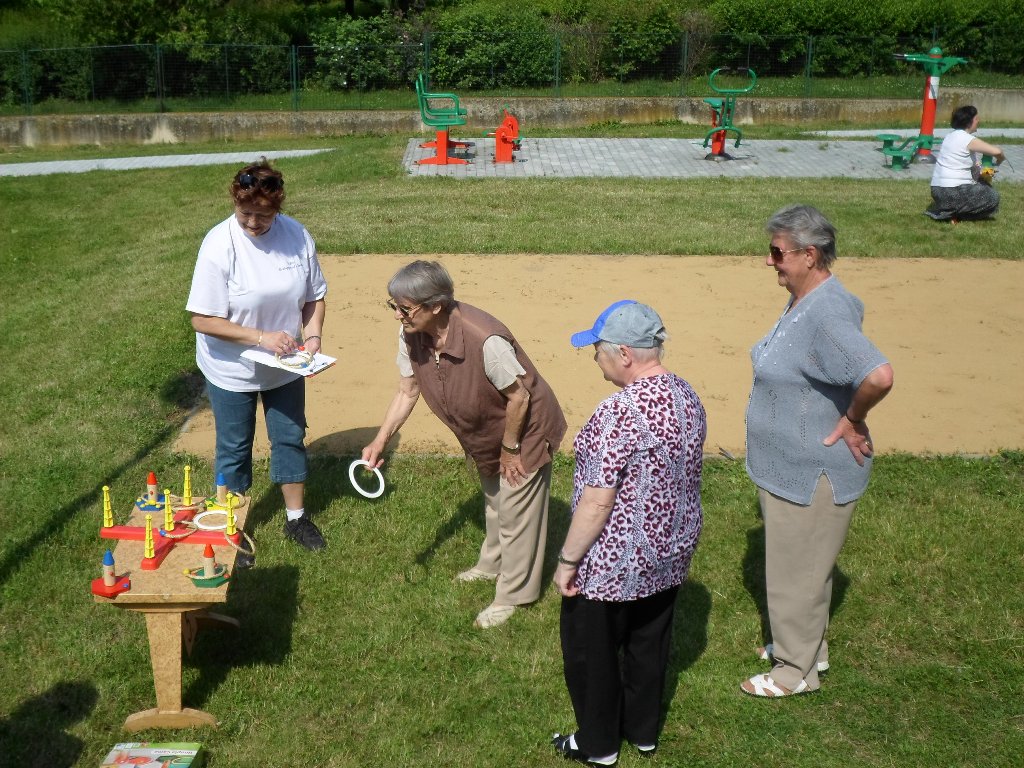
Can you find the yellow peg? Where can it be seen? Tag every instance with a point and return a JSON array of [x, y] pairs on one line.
[[150, 550], [186, 491], [108, 511], [168, 512], [231, 515]]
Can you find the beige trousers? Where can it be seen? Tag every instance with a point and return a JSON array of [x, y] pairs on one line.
[[801, 548], [516, 525]]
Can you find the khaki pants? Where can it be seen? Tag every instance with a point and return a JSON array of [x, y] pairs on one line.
[[516, 524], [801, 546]]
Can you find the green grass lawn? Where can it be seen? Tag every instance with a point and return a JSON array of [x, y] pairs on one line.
[[365, 655]]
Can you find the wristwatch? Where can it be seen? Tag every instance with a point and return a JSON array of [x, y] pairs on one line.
[[513, 449]]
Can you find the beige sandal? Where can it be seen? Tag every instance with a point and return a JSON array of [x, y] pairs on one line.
[[765, 687], [493, 616]]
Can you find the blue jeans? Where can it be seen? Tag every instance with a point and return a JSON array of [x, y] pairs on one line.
[[234, 414]]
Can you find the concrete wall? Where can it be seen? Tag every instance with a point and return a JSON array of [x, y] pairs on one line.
[[170, 128]]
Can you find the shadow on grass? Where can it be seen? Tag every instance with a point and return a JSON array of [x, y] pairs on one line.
[[264, 602], [53, 526], [350, 443], [329, 481], [470, 512], [753, 580], [559, 517], [689, 635], [36, 732]]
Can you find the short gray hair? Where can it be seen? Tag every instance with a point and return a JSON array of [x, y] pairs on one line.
[[806, 226], [423, 282], [640, 354]]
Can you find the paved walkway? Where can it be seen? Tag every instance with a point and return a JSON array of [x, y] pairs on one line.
[[562, 158], [683, 158], [154, 161]]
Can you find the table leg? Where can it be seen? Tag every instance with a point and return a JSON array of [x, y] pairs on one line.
[[165, 638]]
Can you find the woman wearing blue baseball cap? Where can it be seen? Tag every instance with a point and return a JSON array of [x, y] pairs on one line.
[[636, 519]]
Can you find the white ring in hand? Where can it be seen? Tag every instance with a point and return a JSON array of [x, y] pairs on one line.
[[352, 479]]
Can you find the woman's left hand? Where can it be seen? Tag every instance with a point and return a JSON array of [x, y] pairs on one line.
[[565, 580], [856, 437], [311, 344], [512, 468]]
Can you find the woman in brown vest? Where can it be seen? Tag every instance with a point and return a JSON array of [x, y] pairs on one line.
[[479, 381]]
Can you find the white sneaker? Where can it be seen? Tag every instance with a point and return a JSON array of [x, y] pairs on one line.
[[475, 574], [766, 652], [493, 616]]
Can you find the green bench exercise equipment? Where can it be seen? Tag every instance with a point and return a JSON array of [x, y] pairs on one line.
[[440, 111], [902, 156], [722, 111]]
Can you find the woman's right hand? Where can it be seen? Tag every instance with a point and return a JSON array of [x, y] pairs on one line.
[[372, 455], [279, 342], [565, 580]]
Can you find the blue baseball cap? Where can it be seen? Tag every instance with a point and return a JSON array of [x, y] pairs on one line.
[[626, 322]]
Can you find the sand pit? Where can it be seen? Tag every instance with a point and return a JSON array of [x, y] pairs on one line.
[[952, 329]]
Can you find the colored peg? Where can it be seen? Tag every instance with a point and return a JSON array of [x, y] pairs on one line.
[[168, 512], [108, 511], [150, 550], [209, 563], [109, 577], [231, 515], [151, 492]]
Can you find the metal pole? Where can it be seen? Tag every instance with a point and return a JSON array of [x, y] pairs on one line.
[[684, 62], [809, 66], [25, 83], [558, 65], [160, 79], [294, 56]]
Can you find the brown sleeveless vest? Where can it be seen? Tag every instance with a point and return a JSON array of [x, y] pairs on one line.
[[460, 394]]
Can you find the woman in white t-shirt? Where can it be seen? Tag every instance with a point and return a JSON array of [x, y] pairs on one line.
[[959, 190], [257, 283]]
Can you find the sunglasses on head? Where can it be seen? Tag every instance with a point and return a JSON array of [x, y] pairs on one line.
[[266, 183]]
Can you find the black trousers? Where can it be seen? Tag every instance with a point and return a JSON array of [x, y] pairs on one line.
[[614, 657]]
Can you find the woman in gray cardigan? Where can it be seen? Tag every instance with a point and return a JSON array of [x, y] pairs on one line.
[[809, 451]]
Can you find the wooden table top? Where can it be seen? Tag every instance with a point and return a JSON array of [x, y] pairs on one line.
[[168, 584]]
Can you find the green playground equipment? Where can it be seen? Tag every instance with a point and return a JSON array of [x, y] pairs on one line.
[[722, 111]]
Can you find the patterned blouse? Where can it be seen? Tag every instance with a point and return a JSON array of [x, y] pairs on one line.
[[647, 441]]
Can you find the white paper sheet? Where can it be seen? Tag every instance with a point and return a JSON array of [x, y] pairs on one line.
[[320, 362]]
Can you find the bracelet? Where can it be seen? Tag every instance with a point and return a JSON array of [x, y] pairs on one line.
[[260, 341], [307, 338], [853, 421], [571, 563]]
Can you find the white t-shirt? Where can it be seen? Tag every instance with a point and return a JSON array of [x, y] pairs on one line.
[[954, 163], [500, 364], [258, 282]]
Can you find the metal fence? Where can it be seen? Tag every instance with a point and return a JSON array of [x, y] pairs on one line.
[[161, 78]]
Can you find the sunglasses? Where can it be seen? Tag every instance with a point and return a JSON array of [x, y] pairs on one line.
[[778, 254], [266, 183], [405, 311]]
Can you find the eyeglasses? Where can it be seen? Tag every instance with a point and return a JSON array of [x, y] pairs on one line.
[[778, 254], [266, 183], [405, 311]]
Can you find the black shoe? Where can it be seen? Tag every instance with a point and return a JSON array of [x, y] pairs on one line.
[[303, 531], [563, 746], [244, 561]]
